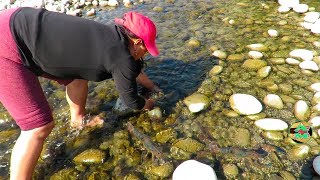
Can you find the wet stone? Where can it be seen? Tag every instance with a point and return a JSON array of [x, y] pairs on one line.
[[254, 64], [196, 102], [236, 57], [161, 171], [230, 170], [189, 145], [301, 110], [67, 173], [273, 135], [298, 152], [166, 135], [90, 156]]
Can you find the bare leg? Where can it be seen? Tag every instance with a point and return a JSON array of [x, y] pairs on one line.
[[76, 94], [26, 152]]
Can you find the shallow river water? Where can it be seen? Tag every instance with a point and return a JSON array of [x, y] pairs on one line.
[[188, 33]]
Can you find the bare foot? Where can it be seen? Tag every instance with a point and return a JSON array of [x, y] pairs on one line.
[[95, 121], [87, 122]]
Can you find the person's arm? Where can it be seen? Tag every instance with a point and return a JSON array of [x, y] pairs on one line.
[[144, 81]]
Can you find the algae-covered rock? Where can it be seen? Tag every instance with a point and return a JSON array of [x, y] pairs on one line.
[[98, 176], [273, 135], [179, 154], [264, 72], [166, 135], [254, 64], [230, 170], [194, 43], [287, 175], [258, 47], [240, 136], [196, 102], [162, 171], [189, 145], [235, 57], [298, 152], [215, 70], [68, 173], [90, 156]]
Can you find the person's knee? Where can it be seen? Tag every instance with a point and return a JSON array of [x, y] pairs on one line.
[[42, 132]]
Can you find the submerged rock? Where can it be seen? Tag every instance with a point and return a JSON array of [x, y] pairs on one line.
[[316, 164], [230, 170], [245, 104], [273, 100], [90, 156], [258, 47], [161, 171], [264, 72], [189, 145], [301, 110], [254, 64], [303, 54], [298, 152], [192, 169], [196, 102], [220, 54], [67, 173], [270, 124]]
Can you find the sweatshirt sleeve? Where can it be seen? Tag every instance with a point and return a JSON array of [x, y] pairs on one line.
[[125, 80]]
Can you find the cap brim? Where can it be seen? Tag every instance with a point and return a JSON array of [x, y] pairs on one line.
[[152, 48]]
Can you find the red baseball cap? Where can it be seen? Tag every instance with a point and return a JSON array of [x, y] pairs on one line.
[[142, 27]]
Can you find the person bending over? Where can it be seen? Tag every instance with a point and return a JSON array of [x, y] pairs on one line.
[[72, 51]]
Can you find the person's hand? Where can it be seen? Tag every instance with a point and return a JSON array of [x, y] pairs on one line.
[[149, 104], [156, 89]]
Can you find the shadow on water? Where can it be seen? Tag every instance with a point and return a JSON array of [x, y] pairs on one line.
[[307, 171], [177, 78]]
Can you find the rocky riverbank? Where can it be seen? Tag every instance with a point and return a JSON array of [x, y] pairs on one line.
[[71, 7]]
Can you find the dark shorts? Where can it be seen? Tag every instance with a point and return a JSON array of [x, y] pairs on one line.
[[20, 90]]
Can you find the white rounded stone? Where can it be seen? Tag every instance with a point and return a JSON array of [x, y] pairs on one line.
[[196, 102], [283, 9], [315, 28], [264, 72], [315, 87], [311, 17], [288, 3], [113, 3], [273, 33], [301, 110], [257, 46], [316, 44], [192, 169], [292, 61], [315, 121], [245, 104], [316, 164], [316, 107], [306, 25], [273, 100], [255, 54], [270, 124], [301, 8], [304, 54], [309, 65]]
